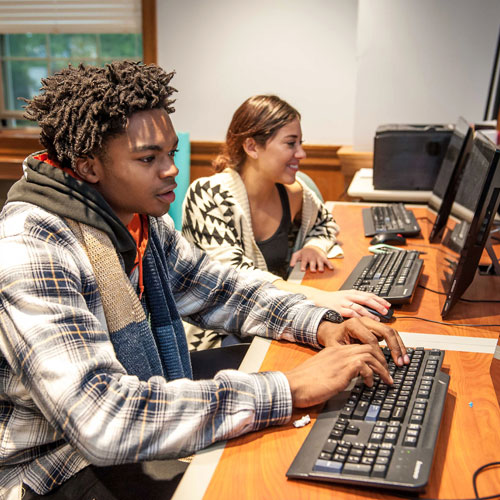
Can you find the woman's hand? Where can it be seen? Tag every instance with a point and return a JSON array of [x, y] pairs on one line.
[[313, 257], [349, 303]]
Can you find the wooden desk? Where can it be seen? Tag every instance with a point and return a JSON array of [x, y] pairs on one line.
[[254, 466]]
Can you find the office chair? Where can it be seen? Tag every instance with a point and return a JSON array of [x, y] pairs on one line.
[[310, 184], [183, 162]]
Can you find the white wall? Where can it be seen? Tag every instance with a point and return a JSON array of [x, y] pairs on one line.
[[225, 51], [346, 65], [422, 61]]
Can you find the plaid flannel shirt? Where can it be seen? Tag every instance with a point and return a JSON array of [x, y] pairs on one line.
[[66, 401]]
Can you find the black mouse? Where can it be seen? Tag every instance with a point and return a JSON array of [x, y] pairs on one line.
[[384, 318], [388, 239]]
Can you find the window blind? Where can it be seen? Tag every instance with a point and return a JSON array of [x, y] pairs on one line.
[[77, 16]]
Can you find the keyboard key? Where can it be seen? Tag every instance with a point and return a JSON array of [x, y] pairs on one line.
[[357, 469], [329, 446], [372, 413], [410, 441], [390, 437], [379, 470], [328, 466], [384, 415], [398, 413], [376, 437], [352, 430], [372, 446], [360, 411]]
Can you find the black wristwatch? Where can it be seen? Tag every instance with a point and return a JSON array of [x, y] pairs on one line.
[[332, 317]]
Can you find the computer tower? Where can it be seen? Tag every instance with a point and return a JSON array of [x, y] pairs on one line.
[[408, 157]]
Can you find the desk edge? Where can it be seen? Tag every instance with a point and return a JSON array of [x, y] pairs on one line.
[[197, 477]]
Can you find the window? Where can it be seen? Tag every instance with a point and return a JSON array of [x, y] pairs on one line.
[[26, 58], [63, 32]]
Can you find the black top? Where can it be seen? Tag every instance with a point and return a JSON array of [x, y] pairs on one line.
[[275, 248]]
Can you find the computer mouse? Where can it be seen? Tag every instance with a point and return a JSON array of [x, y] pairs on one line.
[[384, 318], [389, 238]]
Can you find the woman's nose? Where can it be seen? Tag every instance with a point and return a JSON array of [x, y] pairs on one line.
[[301, 154]]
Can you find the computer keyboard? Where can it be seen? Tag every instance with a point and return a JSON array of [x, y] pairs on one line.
[[381, 436], [392, 218], [393, 275]]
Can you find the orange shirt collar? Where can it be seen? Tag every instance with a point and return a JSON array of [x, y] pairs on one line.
[[139, 229], [138, 226], [45, 158]]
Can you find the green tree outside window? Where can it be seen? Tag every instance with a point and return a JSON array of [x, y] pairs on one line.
[[26, 58]]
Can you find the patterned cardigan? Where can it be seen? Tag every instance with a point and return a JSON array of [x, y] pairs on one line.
[[216, 217]]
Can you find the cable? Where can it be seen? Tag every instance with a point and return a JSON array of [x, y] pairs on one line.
[[343, 194], [463, 300], [478, 471], [436, 249], [475, 498], [444, 322], [431, 290], [474, 480], [487, 300]]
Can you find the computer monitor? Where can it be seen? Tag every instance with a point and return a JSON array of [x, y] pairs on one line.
[[484, 159], [447, 182]]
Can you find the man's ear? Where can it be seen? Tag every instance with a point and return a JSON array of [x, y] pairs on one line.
[[85, 167], [250, 147]]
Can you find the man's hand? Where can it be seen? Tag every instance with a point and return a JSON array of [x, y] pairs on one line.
[[331, 370], [364, 331]]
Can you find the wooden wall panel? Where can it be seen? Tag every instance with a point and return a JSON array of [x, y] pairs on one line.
[[15, 145], [322, 163]]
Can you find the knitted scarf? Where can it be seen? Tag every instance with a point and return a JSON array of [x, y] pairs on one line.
[[143, 350]]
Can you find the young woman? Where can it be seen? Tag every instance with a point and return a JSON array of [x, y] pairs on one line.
[[256, 213]]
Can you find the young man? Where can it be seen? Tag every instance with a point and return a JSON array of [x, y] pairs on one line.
[[94, 367]]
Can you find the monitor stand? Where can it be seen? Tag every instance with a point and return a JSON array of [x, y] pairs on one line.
[[457, 237], [495, 233], [492, 269]]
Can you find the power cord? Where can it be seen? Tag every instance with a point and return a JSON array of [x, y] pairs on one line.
[[478, 471], [474, 485], [463, 300], [446, 251], [444, 322]]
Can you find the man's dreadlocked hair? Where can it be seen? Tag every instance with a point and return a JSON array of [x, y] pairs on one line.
[[78, 109]]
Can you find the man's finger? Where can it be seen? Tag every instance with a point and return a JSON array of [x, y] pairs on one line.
[[398, 349]]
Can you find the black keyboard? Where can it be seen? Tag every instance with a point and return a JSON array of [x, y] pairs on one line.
[[393, 275], [381, 436], [392, 218]]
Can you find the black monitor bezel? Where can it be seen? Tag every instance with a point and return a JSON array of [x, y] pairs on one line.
[[451, 190], [477, 236]]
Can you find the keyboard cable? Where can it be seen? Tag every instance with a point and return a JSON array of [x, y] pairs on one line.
[[463, 300], [445, 323]]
